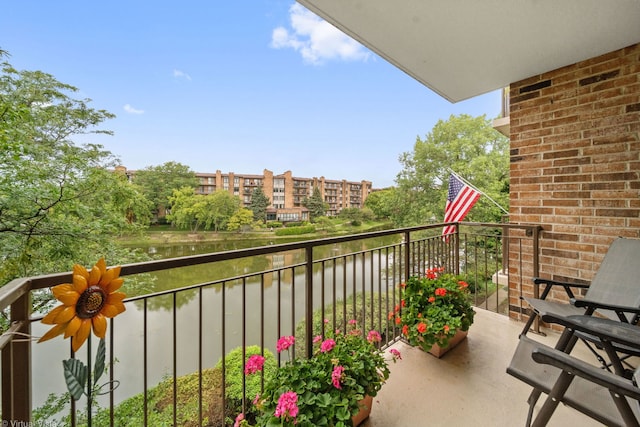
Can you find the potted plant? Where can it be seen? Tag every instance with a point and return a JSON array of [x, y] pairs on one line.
[[433, 310], [327, 389]]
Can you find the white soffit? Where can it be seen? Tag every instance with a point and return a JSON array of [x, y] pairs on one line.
[[463, 48]]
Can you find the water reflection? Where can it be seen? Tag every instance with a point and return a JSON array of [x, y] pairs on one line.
[[216, 305]]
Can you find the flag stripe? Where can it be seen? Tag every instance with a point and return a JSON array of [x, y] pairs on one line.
[[460, 200]]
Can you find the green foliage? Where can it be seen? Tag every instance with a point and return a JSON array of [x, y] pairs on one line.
[[158, 182], [345, 367], [241, 220], [274, 224], [292, 231], [470, 147], [234, 378], [259, 204], [194, 211], [434, 308], [59, 202], [315, 204], [381, 203]]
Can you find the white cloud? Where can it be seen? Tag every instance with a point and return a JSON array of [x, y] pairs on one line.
[[181, 74], [316, 39], [129, 109]]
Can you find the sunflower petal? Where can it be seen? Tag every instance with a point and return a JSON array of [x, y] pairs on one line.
[[112, 310], [94, 276], [72, 327], [81, 336], [115, 297], [80, 271], [102, 265], [114, 285], [80, 283], [106, 278], [50, 318], [69, 298], [61, 289], [66, 314], [53, 332], [99, 325]]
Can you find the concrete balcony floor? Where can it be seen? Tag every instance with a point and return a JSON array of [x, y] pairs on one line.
[[468, 386]]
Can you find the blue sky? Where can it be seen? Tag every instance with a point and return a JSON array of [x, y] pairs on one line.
[[237, 86]]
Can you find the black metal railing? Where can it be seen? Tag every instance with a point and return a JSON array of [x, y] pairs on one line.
[[166, 335]]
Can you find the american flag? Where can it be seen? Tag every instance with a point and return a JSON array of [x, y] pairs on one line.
[[460, 200]]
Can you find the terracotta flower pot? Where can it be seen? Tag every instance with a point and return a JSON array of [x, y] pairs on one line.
[[438, 351], [365, 410]]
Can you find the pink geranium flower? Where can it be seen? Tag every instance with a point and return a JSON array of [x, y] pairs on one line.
[[287, 405], [327, 345], [284, 343], [374, 336], [254, 364], [336, 376]]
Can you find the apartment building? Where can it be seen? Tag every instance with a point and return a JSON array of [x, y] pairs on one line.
[[288, 192], [285, 191]]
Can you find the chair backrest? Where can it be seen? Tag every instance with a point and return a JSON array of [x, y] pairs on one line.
[[617, 281]]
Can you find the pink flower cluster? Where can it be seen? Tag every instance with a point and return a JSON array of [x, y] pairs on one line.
[[239, 420], [395, 353], [284, 343], [374, 336], [336, 376], [254, 364], [287, 405], [327, 345]]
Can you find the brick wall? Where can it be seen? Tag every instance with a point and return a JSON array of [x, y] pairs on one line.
[[575, 162]]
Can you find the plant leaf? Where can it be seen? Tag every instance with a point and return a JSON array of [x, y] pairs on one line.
[[98, 369], [75, 375]]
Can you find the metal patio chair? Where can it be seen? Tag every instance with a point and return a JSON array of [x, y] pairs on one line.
[[608, 397], [613, 293]]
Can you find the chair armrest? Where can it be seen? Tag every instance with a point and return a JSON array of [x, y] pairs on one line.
[[599, 306], [607, 330], [537, 281], [541, 280], [589, 372]]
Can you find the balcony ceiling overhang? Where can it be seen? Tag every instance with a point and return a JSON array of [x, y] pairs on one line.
[[464, 48]]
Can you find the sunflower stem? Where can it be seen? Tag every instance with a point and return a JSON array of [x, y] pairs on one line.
[[89, 381]]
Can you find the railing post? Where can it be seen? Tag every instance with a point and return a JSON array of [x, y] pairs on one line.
[[308, 297], [456, 248], [407, 255], [16, 367], [536, 271]]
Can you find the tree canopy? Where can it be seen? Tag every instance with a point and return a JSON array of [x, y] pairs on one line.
[[471, 148], [259, 204], [158, 183], [315, 204], [60, 203]]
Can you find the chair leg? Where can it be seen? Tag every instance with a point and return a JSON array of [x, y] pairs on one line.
[[555, 396], [532, 400]]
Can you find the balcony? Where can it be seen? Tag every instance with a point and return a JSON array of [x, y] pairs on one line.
[[165, 335]]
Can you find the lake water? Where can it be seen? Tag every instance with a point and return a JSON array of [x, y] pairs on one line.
[[128, 327]]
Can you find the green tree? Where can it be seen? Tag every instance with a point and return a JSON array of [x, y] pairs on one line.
[[59, 202], [259, 204], [315, 204], [188, 209], [240, 220], [220, 208], [381, 203], [158, 182], [470, 147]]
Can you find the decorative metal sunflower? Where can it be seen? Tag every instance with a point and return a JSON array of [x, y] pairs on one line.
[[86, 304]]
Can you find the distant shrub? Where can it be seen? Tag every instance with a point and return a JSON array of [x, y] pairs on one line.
[[292, 231], [274, 224]]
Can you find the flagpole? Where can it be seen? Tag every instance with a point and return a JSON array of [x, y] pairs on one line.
[[479, 191]]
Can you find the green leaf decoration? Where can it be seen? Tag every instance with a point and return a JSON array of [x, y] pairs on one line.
[[75, 374], [98, 369]]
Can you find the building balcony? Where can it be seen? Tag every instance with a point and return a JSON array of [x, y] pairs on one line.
[[468, 386], [165, 335]]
